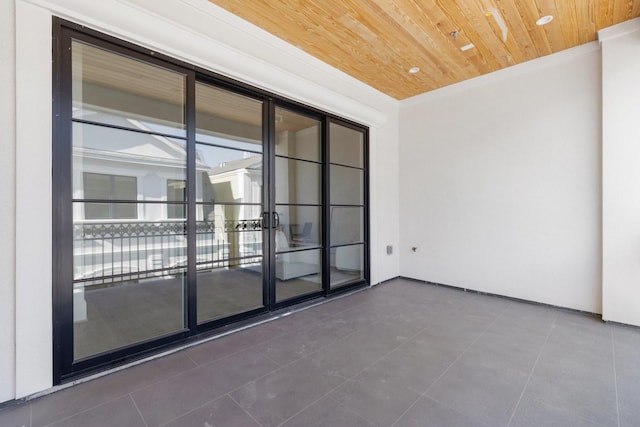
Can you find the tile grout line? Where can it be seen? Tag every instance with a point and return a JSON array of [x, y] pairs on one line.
[[297, 360], [352, 377], [251, 347], [208, 402], [190, 358], [197, 365], [242, 349], [456, 410], [273, 360], [283, 334], [535, 364], [356, 374], [185, 351], [138, 409], [106, 402], [353, 412], [615, 375], [449, 367], [244, 410], [129, 393], [280, 367]]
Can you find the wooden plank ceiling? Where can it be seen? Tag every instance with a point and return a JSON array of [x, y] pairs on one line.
[[378, 41]]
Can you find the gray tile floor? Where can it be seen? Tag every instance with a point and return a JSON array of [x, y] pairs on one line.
[[400, 354]]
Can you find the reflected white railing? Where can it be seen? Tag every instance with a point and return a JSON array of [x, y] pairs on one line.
[[112, 252]]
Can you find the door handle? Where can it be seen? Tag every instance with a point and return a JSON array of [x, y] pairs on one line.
[[265, 220], [276, 220]]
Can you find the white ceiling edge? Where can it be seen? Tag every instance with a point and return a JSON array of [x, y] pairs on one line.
[[619, 30], [202, 34], [503, 74]]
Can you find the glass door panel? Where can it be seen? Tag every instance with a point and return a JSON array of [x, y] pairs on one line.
[[129, 278], [116, 90], [347, 205], [346, 146], [298, 182], [347, 225], [298, 205], [129, 227], [185, 201], [347, 185], [229, 204], [347, 265]]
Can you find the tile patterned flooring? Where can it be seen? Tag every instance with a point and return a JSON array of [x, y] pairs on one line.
[[400, 354]]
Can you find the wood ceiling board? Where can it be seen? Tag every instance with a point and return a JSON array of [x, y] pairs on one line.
[[515, 20], [566, 14], [432, 36], [377, 41]]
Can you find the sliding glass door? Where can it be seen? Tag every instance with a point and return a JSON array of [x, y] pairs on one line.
[[347, 206], [129, 238], [297, 204], [229, 203], [184, 202]]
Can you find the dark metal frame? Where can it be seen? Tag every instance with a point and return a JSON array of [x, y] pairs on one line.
[[64, 368], [297, 109], [365, 168]]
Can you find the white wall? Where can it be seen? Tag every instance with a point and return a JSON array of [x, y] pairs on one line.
[[7, 200], [195, 31], [621, 172], [384, 200], [33, 205], [500, 182]]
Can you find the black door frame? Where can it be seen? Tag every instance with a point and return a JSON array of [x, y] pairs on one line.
[[64, 367]]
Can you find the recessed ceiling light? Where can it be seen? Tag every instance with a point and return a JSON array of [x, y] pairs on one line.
[[467, 47], [414, 70], [544, 20]]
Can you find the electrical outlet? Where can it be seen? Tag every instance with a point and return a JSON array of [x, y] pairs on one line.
[[389, 249]]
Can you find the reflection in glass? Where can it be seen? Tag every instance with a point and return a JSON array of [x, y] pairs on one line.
[[347, 178], [129, 258], [128, 280], [347, 265], [99, 186], [177, 193], [113, 89], [126, 311], [297, 136], [229, 119], [228, 176], [299, 227], [346, 146], [107, 151], [298, 273], [229, 287], [228, 232], [297, 181], [228, 203], [347, 225], [229, 259], [347, 186]]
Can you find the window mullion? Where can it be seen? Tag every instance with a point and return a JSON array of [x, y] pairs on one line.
[[191, 288]]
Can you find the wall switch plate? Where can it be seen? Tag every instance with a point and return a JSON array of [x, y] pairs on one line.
[[389, 249]]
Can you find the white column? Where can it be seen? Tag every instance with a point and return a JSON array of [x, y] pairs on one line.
[[7, 200], [33, 200], [621, 172]]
